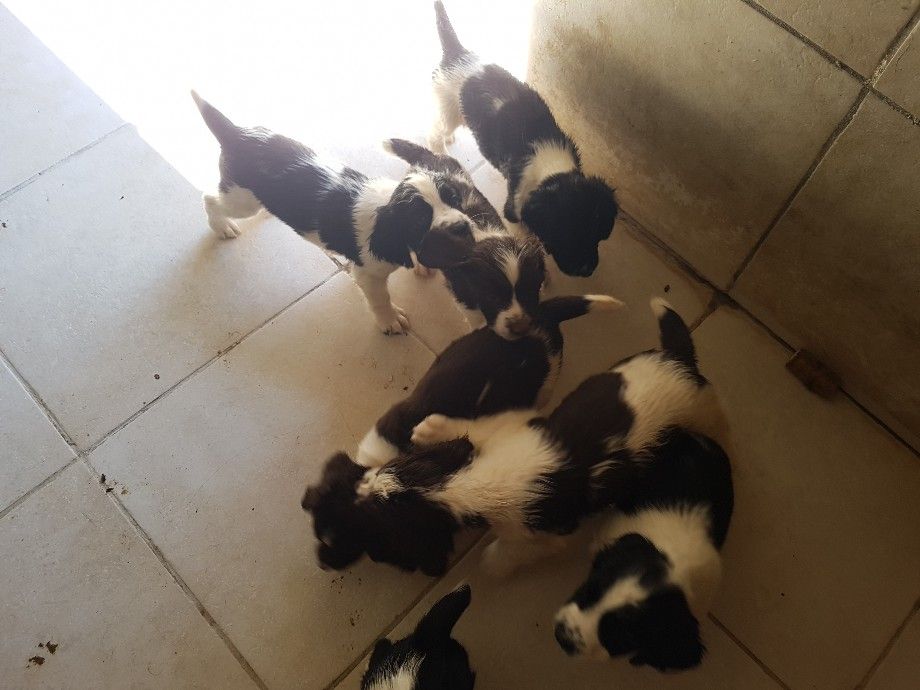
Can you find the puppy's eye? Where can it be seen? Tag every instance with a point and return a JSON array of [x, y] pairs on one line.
[[450, 196]]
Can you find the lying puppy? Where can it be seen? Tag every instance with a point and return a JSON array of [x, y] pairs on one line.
[[657, 564], [375, 223], [533, 479], [482, 374], [498, 279], [429, 658], [516, 132]]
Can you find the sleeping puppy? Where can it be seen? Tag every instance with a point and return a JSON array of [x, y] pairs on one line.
[[533, 479], [657, 563], [481, 374], [498, 279], [429, 658], [570, 212], [377, 224]]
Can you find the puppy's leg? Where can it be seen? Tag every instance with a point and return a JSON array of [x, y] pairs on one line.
[[449, 117], [236, 202], [391, 319], [436, 427], [510, 552]]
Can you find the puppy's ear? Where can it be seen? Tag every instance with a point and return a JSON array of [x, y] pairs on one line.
[[670, 636], [443, 248], [421, 157], [439, 622], [466, 281], [400, 227], [605, 205], [540, 209]]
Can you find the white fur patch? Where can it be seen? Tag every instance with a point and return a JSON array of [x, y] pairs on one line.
[[681, 534], [514, 311], [374, 450], [378, 483], [549, 158], [603, 303], [505, 475], [401, 678], [442, 213]]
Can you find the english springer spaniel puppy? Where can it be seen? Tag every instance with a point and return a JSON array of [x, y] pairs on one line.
[[657, 563], [377, 224], [570, 212], [533, 479], [498, 280], [480, 374], [429, 658]]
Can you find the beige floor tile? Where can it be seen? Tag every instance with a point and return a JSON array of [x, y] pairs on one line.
[[31, 449], [75, 573], [901, 78], [856, 31], [822, 556], [508, 633], [811, 278], [48, 113], [114, 288], [901, 668], [686, 107], [216, 470]]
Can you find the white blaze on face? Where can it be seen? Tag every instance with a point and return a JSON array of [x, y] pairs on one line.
[[514, 311]]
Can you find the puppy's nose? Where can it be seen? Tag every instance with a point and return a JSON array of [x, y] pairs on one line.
[[519, 325], [461, 229], [564, 638]]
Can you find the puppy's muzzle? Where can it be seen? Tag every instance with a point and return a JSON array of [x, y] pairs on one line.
[[518, 325]]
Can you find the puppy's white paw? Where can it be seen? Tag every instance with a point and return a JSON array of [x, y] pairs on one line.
[[437, 144], [433, 429], [393, 322], [226, 229]]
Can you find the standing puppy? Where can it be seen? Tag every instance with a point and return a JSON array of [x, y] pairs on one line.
[[375, 223], [429, 658], [516, 132]]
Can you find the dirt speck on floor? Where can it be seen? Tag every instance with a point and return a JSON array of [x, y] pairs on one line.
[[50, 646], [36, 660], [667, 288], [102, 479], [3, 224], [156, 376], [405, 388], [124, 491]]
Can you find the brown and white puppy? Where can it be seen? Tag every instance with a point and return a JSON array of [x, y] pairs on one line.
[[548, 193], [482, 374], [377, 224]]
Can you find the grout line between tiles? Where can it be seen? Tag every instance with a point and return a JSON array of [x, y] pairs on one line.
[[915, 119], [25, 183], [177, 578], [809, 173], [402, 615], [42, 484], [915, 610], [763, 667], [899, 39], [37, 399], [205, 365]]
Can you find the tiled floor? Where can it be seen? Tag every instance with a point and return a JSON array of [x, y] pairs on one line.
[[208, 380]]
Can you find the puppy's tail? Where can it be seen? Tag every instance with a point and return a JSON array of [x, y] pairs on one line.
[[219, 124], [559, 309], [676, 341], [451, 47]]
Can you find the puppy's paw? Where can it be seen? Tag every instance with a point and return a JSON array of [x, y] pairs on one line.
[[226, 229], [433, 429], [437, 143], [393, 322]]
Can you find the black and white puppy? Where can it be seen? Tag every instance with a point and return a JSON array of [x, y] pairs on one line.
[[657, 563], [377, 224], [570, 212], [498, 279], [480, 374], [533, 479], [429, 658]]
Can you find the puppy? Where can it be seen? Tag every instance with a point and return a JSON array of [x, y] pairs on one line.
[[429, 658], [498, 280], [533, 479], [570, 212], [377, 224], [480, 374], [657, 564]]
